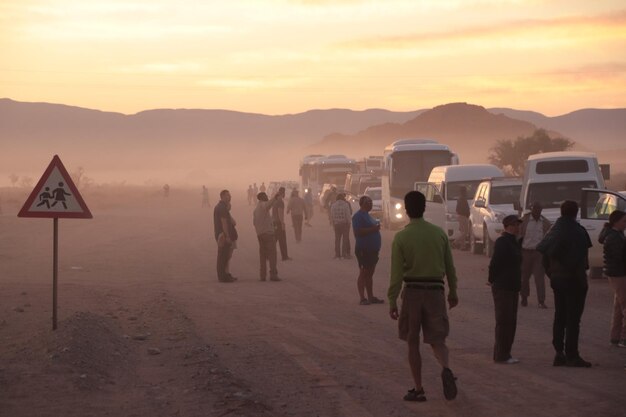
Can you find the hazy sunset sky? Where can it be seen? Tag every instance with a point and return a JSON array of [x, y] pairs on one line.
[[288, 56]]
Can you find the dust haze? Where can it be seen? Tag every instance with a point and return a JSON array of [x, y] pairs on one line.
[[146, 329]]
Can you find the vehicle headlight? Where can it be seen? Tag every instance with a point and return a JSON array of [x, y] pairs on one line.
[[398, 206], [452, 217], [398, 215]]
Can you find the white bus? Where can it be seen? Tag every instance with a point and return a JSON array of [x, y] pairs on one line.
[[317, 170], [406, 162], [307, 171]]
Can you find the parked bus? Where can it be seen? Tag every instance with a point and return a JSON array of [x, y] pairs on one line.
[[317, 170], [307, 171], [406, 162]]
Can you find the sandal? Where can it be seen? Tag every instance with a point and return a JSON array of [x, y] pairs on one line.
[[364, 302], [414, 395], [375, 300]]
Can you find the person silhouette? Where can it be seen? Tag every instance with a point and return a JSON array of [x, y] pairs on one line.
[[44, 197], [59, 196], [205, 196]]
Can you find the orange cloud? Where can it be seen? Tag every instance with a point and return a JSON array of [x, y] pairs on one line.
[[612, 24]]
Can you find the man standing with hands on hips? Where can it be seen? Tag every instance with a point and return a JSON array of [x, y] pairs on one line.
[[367, 245], [420, 258], [534, 227]]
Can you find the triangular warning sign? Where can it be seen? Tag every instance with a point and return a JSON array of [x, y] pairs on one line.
[[55, 195]]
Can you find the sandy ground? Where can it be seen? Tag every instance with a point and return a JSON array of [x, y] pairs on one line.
[[146, 330]]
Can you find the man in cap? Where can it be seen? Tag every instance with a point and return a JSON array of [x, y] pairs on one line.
[[505, 280]]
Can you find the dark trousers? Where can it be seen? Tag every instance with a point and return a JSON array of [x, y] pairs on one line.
[[224, 254], [342, 240], [569, 305], [267, 253], [505, 303], [281, 238], [297, 226]]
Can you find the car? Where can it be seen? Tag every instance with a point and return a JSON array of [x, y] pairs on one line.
[[596, 206], [450, 178], [495, 199], [274, 186], [376, 194]]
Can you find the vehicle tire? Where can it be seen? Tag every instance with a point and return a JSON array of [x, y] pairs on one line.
[[475, 247], [487, 243]]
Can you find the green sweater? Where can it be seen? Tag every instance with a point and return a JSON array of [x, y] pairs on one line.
[[420, 250]]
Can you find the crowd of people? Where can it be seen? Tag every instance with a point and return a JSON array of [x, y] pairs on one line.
[[422, 264]]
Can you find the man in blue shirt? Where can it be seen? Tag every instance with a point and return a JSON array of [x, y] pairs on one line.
[[367, 236]]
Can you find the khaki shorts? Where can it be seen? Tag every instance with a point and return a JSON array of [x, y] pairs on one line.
[[423, 309]]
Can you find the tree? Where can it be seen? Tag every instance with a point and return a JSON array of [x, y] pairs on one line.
[[26, 182], [80, 179], [14, 178], [511, 155]]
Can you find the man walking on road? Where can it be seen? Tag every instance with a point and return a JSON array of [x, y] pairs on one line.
[[505, 280], [565, 257], [278, 215], [366, 247], [297, 208], [534, 228], [420, 258], [264, 227], [225, 235], [341, 215]]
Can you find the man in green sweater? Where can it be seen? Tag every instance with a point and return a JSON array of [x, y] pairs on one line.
[[420, 258]]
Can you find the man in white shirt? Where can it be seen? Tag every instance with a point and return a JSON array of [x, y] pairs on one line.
[[534, 227]]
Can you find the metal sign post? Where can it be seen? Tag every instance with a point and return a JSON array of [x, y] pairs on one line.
[[55, 270], [55, 196]]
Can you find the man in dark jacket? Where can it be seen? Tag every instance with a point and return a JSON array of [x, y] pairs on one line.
[[505, 278], [565, 256]]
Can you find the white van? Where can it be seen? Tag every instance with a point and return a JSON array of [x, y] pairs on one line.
[[450, 178], [553, 177]]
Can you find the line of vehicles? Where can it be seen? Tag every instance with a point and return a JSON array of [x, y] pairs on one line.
[[434, 169]]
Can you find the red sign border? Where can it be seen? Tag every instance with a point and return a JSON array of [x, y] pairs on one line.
[[25, 211]]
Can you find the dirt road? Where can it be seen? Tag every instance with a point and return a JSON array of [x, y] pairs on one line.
[[146, 330]]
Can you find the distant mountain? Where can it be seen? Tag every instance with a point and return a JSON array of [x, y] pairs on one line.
[[593, 128], [227, 144], [468, 129], [37, 121], [170, 138]]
